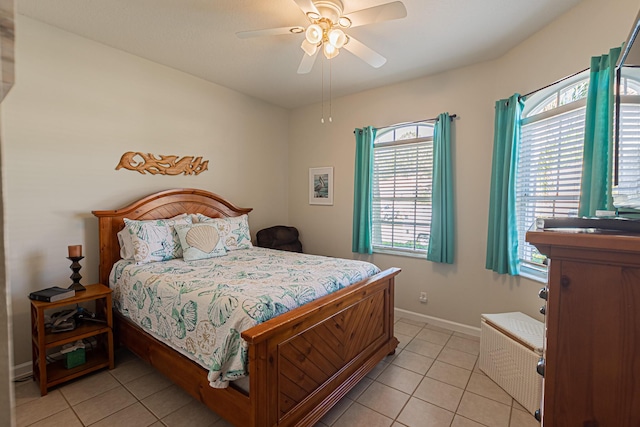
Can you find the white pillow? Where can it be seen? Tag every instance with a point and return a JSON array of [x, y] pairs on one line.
[[234, 231], [155, 240], [126, 245]]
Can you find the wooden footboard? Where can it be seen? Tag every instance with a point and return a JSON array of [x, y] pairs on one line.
[[303, 362]]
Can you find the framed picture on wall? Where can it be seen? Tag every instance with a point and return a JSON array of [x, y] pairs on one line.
[[321, 186]]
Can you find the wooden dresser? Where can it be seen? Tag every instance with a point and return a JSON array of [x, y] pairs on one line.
[[591, 363]]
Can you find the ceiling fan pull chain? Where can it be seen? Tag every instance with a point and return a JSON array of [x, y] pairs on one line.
[[330, 76], [322, 89]]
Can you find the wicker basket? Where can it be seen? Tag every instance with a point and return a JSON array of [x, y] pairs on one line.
[[510, 347]]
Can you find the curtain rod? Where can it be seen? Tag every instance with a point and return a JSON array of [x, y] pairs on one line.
[[435, 119], [554, 83]]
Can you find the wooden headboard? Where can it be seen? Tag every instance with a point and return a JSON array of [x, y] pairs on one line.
[[164, 204]]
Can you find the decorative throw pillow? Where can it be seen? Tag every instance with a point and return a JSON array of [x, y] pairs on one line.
[[155, 240], [126, 244], [234, 231], [200, 241]]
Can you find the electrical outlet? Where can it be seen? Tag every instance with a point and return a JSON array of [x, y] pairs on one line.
[[423, 297]]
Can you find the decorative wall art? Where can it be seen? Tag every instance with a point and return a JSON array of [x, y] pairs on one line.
[[321, 186], [162, 165]]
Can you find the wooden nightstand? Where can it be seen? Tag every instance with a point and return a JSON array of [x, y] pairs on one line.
[[42, 339]]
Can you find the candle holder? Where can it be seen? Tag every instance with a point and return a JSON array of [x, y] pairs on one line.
[[75, 267]]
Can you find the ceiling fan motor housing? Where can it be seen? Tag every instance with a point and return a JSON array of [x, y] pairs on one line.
[[329, 9]]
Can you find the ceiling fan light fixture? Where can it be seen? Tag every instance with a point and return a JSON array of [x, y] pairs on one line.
[[309, 48], [327, 27], [313, 34], [337, 37], [330, 51]]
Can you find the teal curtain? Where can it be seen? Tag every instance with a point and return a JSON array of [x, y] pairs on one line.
[[595, 190], [441, 237], [502, 239], [362, 195]]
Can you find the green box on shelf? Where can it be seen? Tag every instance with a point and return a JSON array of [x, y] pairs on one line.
[[74, 358]]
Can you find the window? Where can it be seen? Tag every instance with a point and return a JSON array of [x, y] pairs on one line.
[[549, 162], [402, 173], [550, 157], [627, 193]]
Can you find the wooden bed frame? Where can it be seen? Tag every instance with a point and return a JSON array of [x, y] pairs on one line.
[[301, 363]]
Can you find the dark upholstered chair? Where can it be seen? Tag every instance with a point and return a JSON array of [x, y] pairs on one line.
[[280, 237]]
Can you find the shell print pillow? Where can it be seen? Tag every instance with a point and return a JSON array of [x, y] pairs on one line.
[[155, 240], [234, 231], [200, 241]]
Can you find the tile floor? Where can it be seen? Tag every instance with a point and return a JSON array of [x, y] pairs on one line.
[[432, 380]]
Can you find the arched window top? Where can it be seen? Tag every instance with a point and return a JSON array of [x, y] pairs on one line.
[[629, 86], [571, 90], [404, 132]]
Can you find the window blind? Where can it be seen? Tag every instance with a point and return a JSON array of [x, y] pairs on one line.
[[402, 176], [549, 172], [627, 193]]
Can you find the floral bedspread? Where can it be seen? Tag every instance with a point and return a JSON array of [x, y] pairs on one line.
[[200, 308]]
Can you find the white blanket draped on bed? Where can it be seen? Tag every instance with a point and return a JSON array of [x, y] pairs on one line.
[[199, 308]]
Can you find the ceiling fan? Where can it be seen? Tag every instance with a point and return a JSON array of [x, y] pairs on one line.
[[326, 30]]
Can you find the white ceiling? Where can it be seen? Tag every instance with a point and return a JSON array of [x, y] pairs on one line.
[[198, 37]]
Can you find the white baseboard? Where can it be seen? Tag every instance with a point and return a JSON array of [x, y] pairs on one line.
[[22, 370], [447, 324]]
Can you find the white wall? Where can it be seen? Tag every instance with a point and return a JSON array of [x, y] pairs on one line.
[[76, 107], [460, 292]]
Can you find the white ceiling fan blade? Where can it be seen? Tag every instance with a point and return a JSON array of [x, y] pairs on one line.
[[307, 6], [269, 32], [384, 12], [307, 63], [365, 53]]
